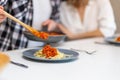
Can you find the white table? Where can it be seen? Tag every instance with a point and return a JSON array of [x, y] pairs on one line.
[[103, 65]]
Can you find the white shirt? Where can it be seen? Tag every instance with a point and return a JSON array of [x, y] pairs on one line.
[[41, 12], [98, 14]]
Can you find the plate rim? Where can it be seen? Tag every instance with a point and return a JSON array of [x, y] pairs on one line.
[[110, 40], [59, 38], [51, 60], [49, 35]]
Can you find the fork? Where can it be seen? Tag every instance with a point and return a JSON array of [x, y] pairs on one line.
[[29, 28], [83, 51], [18, 21], [19, 64]]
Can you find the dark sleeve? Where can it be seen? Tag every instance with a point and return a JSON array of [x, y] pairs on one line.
[[55, 10], [3, 2]]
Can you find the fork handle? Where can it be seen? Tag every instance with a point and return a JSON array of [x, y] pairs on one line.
[[19, 64], [17, 20]]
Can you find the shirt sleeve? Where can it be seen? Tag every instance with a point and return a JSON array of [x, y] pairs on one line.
[[106, 21], [63, 11], [3, 2], [55, 10]]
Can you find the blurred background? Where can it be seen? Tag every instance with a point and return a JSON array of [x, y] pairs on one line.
[[116, 8]]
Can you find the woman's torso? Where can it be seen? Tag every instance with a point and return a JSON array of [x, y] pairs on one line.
[[70, 17]]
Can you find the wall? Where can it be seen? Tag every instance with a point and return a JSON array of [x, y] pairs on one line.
[[116, 8]]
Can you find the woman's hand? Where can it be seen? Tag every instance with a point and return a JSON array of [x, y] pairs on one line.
[[2, 16], [69, 34], [52, 25]]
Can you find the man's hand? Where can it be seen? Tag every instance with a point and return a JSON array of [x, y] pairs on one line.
[[2, 16]]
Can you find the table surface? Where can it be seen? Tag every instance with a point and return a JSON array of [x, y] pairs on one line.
[[102, 65]]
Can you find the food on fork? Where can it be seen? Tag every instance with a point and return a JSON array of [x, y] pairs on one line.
[[49, 52], [45, 35], [117, 39], [42, 35]]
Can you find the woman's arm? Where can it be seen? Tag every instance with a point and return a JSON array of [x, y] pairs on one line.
[[106, 20], [95, 33], [71, 36]]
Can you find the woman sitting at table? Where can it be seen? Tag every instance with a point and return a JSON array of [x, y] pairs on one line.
[[85, 18]]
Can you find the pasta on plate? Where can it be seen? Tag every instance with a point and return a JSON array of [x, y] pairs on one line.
[[49, 52], [117, 39]]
